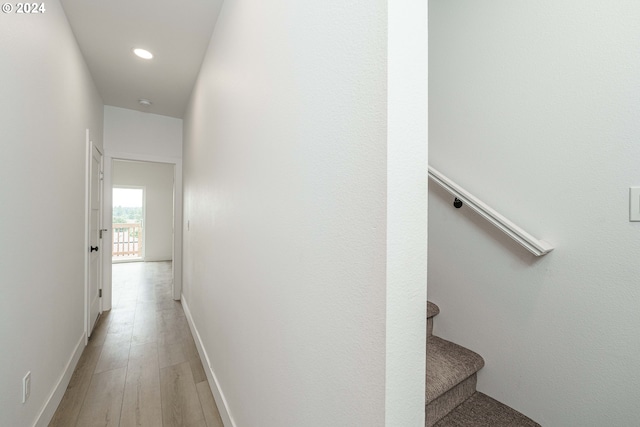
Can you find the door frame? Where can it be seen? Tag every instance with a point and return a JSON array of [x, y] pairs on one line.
[[87, 233], [109, 156]]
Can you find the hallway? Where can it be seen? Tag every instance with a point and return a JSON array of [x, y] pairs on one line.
[[141, 366]]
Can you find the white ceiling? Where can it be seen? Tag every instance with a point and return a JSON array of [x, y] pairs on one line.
[[176, 32]]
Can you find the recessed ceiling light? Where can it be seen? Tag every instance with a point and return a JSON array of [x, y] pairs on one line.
[[142, 53], [144, 102]]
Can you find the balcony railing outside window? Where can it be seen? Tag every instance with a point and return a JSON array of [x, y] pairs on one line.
[[127, 241]]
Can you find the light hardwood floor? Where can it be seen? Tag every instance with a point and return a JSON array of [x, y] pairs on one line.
[[141, 366]]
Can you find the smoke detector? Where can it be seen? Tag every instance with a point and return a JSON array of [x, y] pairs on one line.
[[144, 102]]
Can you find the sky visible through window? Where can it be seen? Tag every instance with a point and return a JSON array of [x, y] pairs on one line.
[[127, 197], [127, 206]]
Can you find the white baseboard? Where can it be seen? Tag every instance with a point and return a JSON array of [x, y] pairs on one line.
[[157, 258], [50, 406], [218, 395]]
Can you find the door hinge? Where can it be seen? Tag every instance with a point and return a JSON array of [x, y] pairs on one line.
[[99, 293], [101, 176]]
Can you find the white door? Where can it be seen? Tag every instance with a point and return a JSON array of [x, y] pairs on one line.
[[95, 242]]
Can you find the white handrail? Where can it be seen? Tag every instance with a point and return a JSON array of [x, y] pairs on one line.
[[535, 246]]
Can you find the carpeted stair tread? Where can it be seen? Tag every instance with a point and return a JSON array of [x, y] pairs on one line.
[[482, 410], [432, 309], [448, 364]]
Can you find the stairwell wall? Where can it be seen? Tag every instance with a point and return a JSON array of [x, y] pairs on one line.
[[534, 108], [47, 101]]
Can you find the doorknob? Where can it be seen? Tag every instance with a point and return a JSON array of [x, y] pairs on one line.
[[94, 248]]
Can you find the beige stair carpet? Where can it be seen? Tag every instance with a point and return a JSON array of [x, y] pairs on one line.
[[481, 410], [451, 377]]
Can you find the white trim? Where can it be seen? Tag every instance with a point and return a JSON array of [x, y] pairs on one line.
[[87, 233], [51, 404], [157, 258], [128, 260], [532, 244], [87, 237], [177, 216], [214, 385], [120, 155], [100, 228], [406, 216]]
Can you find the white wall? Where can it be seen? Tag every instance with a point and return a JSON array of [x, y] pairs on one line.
[[534, 108], [286, 198], [135, 132], [157, 180], [407, 95], [47, 101], [135, 135]]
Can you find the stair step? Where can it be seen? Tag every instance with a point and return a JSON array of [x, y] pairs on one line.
[[451, 396], [450, 378], [448, 364], [482, 410], [432, 310], [443, 405]]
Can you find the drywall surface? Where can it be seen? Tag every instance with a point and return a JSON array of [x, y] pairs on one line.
[[407, 96], [534, 108], [47, 101], [134, 132], [285, 200], [135, 135], [157, 181]]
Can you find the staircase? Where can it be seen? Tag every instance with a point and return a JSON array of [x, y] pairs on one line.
[[451, 396]]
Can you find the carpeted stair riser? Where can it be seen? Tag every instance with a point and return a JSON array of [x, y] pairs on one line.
[[443, 405], [448, 364], [451, 377], [432, 311]]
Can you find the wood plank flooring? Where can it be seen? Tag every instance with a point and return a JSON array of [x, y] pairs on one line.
[[141, 366]]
